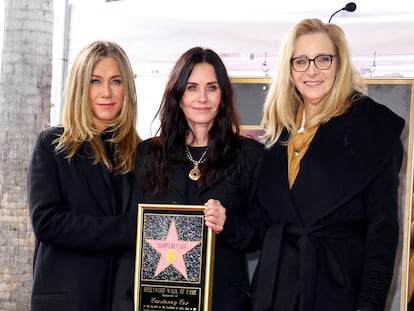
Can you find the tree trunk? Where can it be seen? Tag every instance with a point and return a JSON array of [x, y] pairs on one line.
[[25, 86]]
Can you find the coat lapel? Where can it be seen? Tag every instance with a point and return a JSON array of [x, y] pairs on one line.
[[97, 180], [176, 174], [273, 189], [341, 161], [325, 167], [127, 193]]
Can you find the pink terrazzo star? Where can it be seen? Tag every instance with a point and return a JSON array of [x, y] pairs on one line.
[[172, 251]]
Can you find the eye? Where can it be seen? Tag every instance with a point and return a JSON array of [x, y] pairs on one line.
[[116, 82], [191, 88], [95, 81], [323, 59], [212, 88], [301, 61]]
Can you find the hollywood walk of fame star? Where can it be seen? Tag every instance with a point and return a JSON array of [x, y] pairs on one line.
[[172, 251]]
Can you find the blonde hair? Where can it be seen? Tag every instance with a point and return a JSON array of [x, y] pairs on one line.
[[77, 117], [283, 99]]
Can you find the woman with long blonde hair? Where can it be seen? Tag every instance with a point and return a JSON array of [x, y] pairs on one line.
[[329, 181], [79, 183]]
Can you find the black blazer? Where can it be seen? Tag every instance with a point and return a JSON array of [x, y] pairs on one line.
[[77, 229], [230, 286], [332, 238]]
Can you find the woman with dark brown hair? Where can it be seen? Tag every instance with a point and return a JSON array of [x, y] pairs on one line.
[[199, 157]]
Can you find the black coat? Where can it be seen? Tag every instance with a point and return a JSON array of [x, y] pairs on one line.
[[332, 238], [78, 235], [230, 285]]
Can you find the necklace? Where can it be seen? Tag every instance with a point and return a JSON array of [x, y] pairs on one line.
[[195, 173]]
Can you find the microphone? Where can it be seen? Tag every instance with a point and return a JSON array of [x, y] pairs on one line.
[[350, 7]]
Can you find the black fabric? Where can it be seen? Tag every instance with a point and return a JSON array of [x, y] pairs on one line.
[[78, 232]]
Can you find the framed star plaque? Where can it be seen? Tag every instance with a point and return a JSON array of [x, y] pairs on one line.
[[174, 259]]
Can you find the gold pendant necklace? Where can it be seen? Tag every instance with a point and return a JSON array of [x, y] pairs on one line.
[[195, 173]]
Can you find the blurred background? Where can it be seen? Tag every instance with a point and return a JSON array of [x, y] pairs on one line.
[[246, 34]]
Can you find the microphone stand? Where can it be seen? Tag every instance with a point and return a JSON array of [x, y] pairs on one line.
[[335, 13], [350, 7]]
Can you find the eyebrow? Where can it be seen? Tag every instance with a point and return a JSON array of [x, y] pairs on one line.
[[208, 83], [319, 54], [111, 77]]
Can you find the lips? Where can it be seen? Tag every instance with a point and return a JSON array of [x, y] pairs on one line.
[[313, 82], [202, 109], [106, 105]]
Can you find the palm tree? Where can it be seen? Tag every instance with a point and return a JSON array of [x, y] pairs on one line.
[[25, 87]]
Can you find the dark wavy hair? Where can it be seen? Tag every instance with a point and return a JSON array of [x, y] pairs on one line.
[[169, 143]]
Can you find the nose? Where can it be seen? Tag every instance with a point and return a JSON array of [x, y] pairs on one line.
[[203, 95], [106, 90]]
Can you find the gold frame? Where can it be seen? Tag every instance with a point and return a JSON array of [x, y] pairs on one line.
[[406, 179], [156, 291]]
